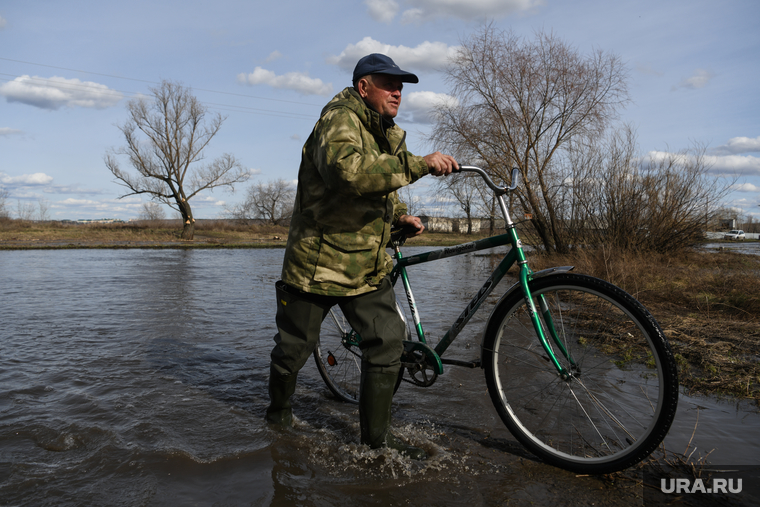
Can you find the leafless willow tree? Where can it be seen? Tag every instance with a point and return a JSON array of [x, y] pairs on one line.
[[5, 213], [152, 211], [662, 202], [166, 139], [43, 210], [24, 210], [520, 102], [271, 201]]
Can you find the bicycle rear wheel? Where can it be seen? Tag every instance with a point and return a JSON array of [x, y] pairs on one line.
[[338, 356], [621, 399]]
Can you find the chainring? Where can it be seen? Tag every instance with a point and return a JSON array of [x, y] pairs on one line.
[[420, 372]]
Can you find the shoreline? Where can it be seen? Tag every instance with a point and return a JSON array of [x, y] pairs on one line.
[[28, 245], [707, 302]]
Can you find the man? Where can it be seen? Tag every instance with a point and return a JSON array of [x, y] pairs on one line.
[[351, 166]]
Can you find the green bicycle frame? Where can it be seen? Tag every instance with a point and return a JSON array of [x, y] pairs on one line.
[[515, 255]]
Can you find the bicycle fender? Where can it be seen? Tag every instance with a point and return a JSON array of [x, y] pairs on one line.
[[516, 287]]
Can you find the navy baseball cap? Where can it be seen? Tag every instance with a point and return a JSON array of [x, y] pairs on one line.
[[381, 64]]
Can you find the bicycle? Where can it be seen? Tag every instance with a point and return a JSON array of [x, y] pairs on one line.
[[577, 369]]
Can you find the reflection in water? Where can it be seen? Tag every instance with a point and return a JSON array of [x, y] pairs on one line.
[[138, 377]]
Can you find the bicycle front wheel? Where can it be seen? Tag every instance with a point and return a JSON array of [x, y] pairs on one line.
[[620, 400], [338, 357]]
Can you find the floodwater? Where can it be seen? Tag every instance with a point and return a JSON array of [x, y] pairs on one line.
[[138, 377], [745, 247]]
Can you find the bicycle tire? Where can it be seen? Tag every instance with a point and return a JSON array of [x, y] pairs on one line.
[[618, 406], [338, 357]]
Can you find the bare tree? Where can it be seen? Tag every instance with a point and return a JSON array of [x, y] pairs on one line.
[[152, 211], [166, 139], [486, 204], [271, 201], [413, 202], [658, 203], [24, 210], [5, 213], [43, 210], [463, 189], [678, 191], [519, 104]]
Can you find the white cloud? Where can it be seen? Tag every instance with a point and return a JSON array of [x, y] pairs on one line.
[[422, 105], [98, 209], [740, 145], [80, 202], [746, 187], [382, 10], [699, 79], [26, 179], [69, 189], [430, 56], [207, 200], [734, 164], [722, 164], [274, 55], [57, 92], [425, 10], [296, 81], [5, 131], [2, 22]]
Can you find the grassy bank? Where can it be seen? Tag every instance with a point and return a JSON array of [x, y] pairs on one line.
[[16, 234], [20, 235], [707, 303]]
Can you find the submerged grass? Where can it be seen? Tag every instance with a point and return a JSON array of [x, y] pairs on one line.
[[707, 304]]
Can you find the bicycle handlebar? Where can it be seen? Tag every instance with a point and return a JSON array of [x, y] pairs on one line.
[[491, 184], [398, 236]]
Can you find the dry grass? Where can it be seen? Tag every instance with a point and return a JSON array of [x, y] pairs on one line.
[[17, 234]]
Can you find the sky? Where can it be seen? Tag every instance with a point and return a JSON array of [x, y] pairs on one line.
[[68, 70]]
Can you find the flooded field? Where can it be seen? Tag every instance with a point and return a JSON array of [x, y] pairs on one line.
[[138, 377]]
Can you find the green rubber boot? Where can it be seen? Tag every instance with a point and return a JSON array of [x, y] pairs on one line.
[[281, 388], [375, 399]]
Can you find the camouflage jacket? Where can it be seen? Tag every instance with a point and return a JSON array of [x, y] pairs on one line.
[[351, 166]]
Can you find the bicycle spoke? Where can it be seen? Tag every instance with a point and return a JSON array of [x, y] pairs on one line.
[[338, 358], [608, 414]]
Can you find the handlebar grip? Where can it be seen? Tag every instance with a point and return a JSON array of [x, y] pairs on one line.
[[402, 232]]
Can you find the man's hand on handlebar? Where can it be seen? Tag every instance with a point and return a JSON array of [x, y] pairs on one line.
[[440, 164], [412, 225]]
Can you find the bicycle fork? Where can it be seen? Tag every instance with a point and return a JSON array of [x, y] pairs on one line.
[[546, 324]]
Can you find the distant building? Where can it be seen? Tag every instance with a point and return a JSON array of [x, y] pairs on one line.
[[437, 224], [100, 221], [446, 224]]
